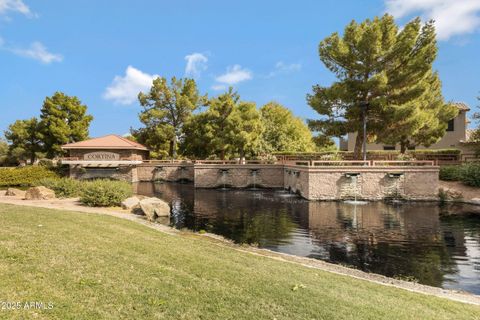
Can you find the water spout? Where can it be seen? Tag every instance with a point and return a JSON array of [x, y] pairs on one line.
[[224, 173], [354, 180], [254, 173]]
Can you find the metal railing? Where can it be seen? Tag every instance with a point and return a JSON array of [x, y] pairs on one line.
[[358, 163], [307, 163], [340, 163], [167, 161], [383, 163]]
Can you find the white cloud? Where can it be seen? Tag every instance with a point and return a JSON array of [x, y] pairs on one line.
[[124, 90], [18, 6], [234, 75], [196, 63], [219, 87], [452, 17], [37, 51], [282, 68]]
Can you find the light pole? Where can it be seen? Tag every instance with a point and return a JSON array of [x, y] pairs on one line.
[[364, 106]]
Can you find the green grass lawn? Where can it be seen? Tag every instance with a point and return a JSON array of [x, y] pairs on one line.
[[100, 267]]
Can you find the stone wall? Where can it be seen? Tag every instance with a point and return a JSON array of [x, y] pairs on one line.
[[238, 176], [371, 183], [312, 183], [125, 173], [165, 172]]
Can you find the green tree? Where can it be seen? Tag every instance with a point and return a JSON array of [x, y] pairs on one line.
[[244, 129], [155, 138], [166, 108], [219, 120], [474, 138], [64, 119], [385, 77], [324, 143], [3, 152], [228, 128], [199, 137], [25, 139], [283, 131], [207, 132]]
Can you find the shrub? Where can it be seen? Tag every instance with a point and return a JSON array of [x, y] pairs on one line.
[[105, 193], [451, 173], [24, 176], [471, 174], [64, 187], [46, 163]]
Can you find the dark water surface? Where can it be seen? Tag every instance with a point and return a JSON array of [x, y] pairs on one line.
[[416, 241]]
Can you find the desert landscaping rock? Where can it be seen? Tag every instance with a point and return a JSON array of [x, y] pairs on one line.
[[154, 208], [130, 203], [39, 193], [13, 192]]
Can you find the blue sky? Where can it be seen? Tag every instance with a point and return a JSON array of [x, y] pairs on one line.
[[104, 52]]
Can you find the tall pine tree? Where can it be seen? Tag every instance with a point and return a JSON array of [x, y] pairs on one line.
[[64, 119], [167, 107], [385, 77], [25, 139]]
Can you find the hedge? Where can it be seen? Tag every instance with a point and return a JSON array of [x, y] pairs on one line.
[[64, 187], [373, 152], [469, 174], [105, 193], [24, 176], [451, 173]]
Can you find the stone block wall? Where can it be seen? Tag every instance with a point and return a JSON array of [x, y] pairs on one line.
[[125, 173], [370, 183], [238, 176], [166, 172]]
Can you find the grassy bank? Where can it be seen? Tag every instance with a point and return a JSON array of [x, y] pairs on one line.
[[92, 267]]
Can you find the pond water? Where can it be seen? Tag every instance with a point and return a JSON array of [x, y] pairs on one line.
[[432, 244]]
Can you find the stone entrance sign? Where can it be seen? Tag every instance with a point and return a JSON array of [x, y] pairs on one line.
[[101, 156]]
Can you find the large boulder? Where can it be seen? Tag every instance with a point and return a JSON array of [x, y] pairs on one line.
[[154, 208], [39, 193], [12, 192], [131, 203]]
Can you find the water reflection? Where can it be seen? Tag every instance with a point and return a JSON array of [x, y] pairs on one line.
[[420, 240]]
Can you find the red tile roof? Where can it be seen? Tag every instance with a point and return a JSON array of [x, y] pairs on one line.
[[112, 141]]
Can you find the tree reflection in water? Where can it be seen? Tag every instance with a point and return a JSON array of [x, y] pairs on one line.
[[411, 240]]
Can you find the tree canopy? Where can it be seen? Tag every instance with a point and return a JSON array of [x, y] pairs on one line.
[[228, 128], [245, 128], [384, 75], [231, 128], [475, 133], [64, 119], [283, 131], [25, 139], [166, 108], [3, 152]]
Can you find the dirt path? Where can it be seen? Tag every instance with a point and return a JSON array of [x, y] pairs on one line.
[[469, 194], [74, 205]]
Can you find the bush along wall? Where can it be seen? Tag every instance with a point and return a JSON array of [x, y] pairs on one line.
[[469, 174], [94, 193], [372, 154], [24, 176], [105, 193], [64, 187]]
